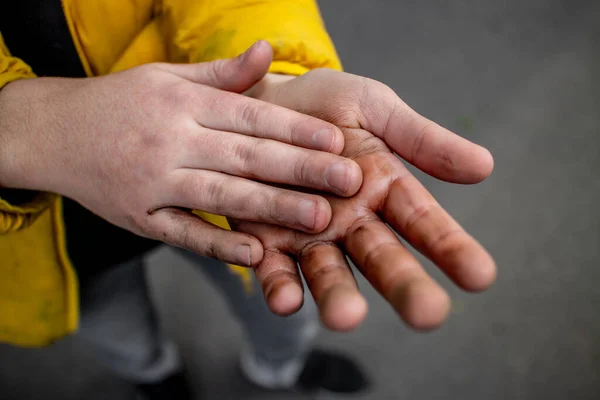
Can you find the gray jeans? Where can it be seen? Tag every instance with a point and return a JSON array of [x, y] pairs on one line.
[[119, 321]]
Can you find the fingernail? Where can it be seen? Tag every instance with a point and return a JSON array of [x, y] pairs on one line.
[[245, 54], [338, 177], [307, 214], [250, 50], [242, 254], [323, 139]]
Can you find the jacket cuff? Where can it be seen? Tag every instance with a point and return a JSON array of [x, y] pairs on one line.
[[12, 68], [16, 217]]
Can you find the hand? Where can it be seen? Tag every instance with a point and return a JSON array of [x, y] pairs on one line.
[[142, 147], [375, 122]]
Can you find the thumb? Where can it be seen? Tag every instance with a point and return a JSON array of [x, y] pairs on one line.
[[234, 74]]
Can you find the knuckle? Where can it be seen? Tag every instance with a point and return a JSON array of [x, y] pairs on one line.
[[419, 139], [148, 72], [332, 272], [193, 186], [283, 209], [419, 213], [178, 94], [214, 103], [303, 169], [216, 71], [269, 205], [216, 198], [248, 157], [154, 145], [373, 255], [294, 132], [249, 115], [374, 101], [365, 145], [186, 238], [210, 249], [447, 241]]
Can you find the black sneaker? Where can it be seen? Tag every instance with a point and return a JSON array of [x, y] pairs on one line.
[[333, 372], [322, 371], [174, 387]]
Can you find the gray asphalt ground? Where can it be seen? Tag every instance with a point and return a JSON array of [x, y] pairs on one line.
[[520, 77]]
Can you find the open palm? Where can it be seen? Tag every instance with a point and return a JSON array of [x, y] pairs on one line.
[[376, 124]]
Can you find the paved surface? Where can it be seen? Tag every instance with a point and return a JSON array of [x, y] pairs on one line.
[[521, 78]]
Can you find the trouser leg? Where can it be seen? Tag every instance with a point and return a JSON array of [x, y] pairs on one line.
[[119, 322], [277, 346]]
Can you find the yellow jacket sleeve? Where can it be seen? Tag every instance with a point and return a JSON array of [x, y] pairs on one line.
[[11, 68], [206, 30], [14, 217]]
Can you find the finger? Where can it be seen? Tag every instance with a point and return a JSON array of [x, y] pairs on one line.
[[414, 213], [428, 146], [234, 197], [437, 151], [333, 287], [235, 75], [397, 275], [183, 229], [271, 161], [232, 112], [280, 280], [277, 273]]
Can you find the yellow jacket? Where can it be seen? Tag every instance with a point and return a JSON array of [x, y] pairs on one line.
[[38, 286]]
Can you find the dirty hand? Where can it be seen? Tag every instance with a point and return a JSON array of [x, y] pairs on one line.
[[375, 123]]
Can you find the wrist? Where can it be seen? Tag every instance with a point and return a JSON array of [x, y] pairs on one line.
[[26, 136], [9, 136]]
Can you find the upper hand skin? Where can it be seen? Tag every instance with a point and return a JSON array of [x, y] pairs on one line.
[[375, 123], [141, 147]]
